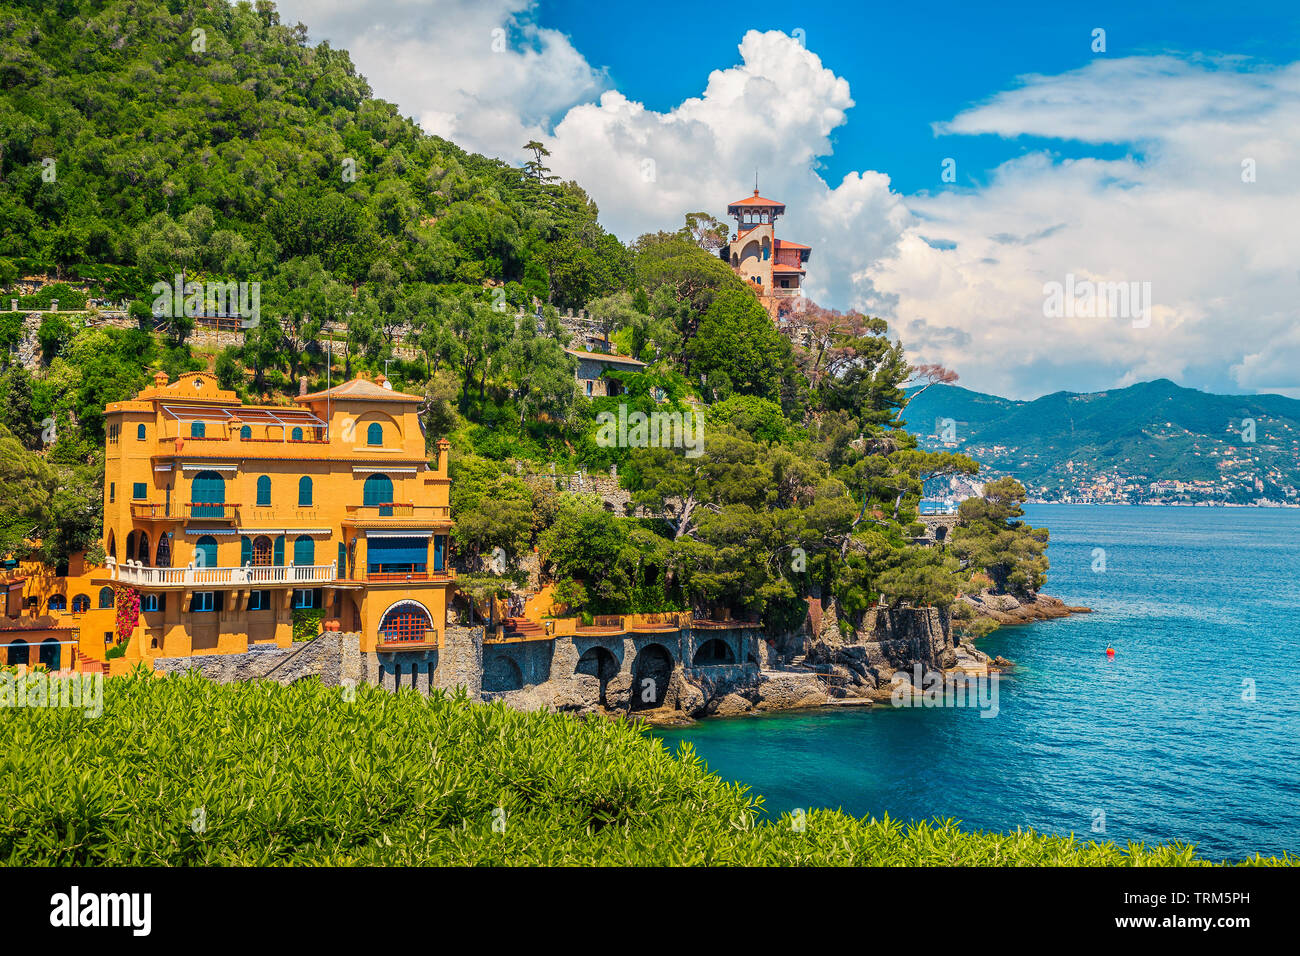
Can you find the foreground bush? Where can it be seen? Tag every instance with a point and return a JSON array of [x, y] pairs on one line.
[[181, 771]]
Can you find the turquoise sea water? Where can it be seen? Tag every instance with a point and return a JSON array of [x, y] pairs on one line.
[[1197, 602]]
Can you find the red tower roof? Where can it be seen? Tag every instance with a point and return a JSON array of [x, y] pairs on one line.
[[756, 200]]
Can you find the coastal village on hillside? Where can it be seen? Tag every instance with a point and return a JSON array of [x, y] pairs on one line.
[[234, 532]]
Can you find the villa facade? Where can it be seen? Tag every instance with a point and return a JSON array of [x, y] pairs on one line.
[[226, 522]]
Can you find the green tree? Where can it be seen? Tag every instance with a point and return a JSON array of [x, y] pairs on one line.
[[989, 538]]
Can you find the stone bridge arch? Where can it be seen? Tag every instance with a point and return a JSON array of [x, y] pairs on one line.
[[654, 663]]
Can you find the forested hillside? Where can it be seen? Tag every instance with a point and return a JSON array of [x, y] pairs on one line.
[[1241, 447], [142, 138]]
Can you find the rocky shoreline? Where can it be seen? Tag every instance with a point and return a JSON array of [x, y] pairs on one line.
[[835, 669]]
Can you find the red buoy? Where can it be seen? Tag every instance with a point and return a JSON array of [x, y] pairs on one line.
[[1110, 651]]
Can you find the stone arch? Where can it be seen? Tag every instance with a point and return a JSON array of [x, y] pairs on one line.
[[16, 652], [713, 651], [389, 428], [112, 545], [653, 663], [751, 251], [941, 533], [600, 663], [501, 673]]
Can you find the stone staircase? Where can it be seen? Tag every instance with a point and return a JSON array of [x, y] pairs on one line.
[[522, 628]]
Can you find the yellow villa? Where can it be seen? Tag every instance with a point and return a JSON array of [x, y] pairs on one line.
[[225, 518]]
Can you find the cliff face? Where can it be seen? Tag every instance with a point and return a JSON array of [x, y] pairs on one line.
[[890, 639]]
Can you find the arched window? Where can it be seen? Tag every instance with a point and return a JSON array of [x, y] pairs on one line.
[[58, 602], [105, 598], [139, 433], [296, 435], [246, 432], [261, 551], [142, 554], [304, 550], [374, 434], [164, 551], [205, 552], [196, 429], [263, 489], [208, 493], [112, 545], [304, 491], [378, 490], [80, 604], [406, 621], [16, 653]]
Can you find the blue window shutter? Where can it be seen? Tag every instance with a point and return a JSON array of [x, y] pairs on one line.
[[264, 489], [208, 488], [196, 429], [375, 434], [246, 432], [304, 491], [139, 433], [378, 490], [205, 552], [439, 552], [279, 551], [295, 435], [245, 551], [343, 560], [304, 550]]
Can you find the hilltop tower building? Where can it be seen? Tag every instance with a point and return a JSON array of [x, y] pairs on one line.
[[773, 267]]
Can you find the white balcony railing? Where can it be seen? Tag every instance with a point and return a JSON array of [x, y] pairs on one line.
[[132, 572]]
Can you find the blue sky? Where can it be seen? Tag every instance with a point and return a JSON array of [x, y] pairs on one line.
[[914, 64], [1166, 162]]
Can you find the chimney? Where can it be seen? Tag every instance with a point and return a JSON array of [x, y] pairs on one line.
[[302, 385], [13, 304], [159, 379], [54, 305]]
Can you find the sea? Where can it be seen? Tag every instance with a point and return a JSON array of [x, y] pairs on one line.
[[1189, 734]]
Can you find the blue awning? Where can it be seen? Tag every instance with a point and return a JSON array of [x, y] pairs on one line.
[[397, 551]]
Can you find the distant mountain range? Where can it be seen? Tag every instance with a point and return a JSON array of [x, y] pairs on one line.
[[1154, 441]]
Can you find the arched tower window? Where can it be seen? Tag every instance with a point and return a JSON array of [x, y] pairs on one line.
[[304, 491]]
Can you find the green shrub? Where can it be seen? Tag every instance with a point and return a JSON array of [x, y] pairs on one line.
[[306, 623], [303, 775]]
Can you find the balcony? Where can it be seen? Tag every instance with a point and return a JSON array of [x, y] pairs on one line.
[[148, 512], [398, 512], [391, 577], [394, 641], [211, 510], [292, 575]]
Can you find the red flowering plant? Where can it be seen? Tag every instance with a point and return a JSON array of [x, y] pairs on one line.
[[128, 611]]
